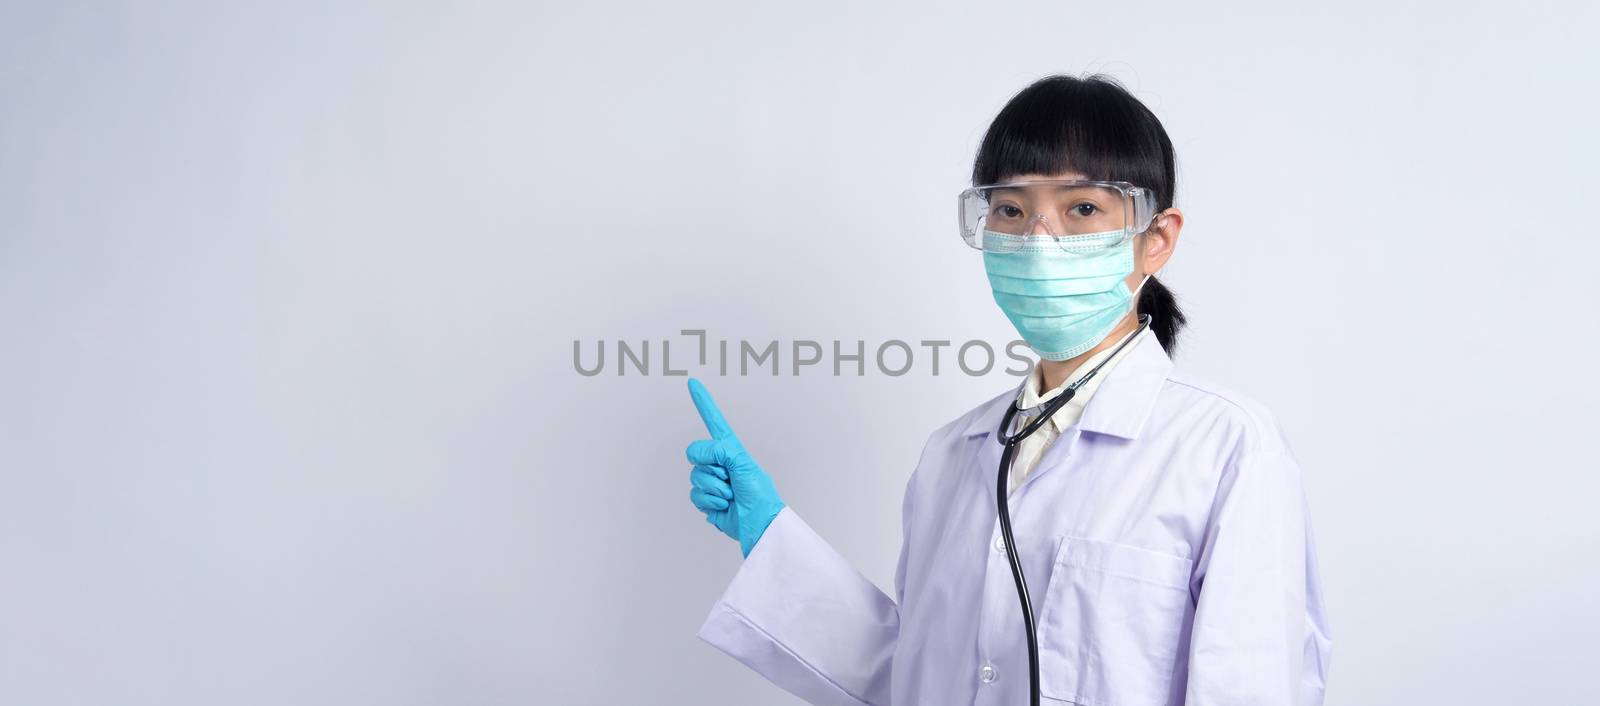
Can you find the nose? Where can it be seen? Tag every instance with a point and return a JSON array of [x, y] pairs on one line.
[[1038, 225]]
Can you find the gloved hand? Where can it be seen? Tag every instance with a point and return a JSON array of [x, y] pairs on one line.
[[736, 495]]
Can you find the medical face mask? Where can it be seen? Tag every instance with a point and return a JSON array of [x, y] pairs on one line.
[[1063, 294]]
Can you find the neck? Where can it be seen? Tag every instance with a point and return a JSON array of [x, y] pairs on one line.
[[1055, 372]]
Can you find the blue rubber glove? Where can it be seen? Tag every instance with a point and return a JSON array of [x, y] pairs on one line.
[[726, 484]]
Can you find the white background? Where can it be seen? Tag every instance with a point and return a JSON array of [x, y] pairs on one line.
[[288, 293]]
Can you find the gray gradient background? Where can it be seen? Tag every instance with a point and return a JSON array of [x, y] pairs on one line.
[[288, 413]]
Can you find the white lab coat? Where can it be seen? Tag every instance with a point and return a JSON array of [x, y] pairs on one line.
[[1165, 537]]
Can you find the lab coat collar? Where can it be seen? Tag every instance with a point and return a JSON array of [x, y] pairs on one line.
[[1118, 408]]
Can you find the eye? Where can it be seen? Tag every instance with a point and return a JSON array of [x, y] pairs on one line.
[[1085, 209], [1008, 211]]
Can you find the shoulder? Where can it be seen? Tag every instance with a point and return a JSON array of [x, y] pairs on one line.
[[1202, 405], [943, 443], [973, 419]]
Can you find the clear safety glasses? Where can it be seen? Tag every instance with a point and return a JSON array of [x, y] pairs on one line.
[[1072, 215]]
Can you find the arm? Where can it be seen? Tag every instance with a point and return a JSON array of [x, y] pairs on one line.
[[798, 614], [1260, 628]]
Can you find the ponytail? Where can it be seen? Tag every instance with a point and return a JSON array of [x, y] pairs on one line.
[[1166, 318]]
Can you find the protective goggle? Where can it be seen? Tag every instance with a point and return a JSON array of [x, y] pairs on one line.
[[1069, 214]]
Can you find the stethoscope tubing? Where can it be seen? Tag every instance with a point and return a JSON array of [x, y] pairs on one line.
[[1010, 441]]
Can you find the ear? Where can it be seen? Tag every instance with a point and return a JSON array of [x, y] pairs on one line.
[[1160, 239]]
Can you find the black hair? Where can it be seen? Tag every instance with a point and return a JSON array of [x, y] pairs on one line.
[[1095, 127]]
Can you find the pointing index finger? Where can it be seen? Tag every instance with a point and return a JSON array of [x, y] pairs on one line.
[[715, 423]]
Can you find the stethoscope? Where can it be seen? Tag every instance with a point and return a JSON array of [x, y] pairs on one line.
[[1010, 441]]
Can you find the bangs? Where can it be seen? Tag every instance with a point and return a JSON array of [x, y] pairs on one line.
[[1091, 126]]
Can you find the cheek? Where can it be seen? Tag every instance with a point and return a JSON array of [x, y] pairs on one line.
[[1141, 245]]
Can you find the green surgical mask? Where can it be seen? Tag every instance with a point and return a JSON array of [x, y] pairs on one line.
[[1064, 295]]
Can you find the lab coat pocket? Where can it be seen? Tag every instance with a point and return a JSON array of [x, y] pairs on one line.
[[1112, 624]]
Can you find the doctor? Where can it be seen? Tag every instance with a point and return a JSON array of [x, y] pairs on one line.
[[1159, 519]]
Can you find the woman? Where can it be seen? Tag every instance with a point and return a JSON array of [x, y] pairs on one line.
[[1159, 520]]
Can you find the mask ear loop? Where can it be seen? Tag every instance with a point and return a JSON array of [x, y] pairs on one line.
[[1139, 288], [1147, 277]]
